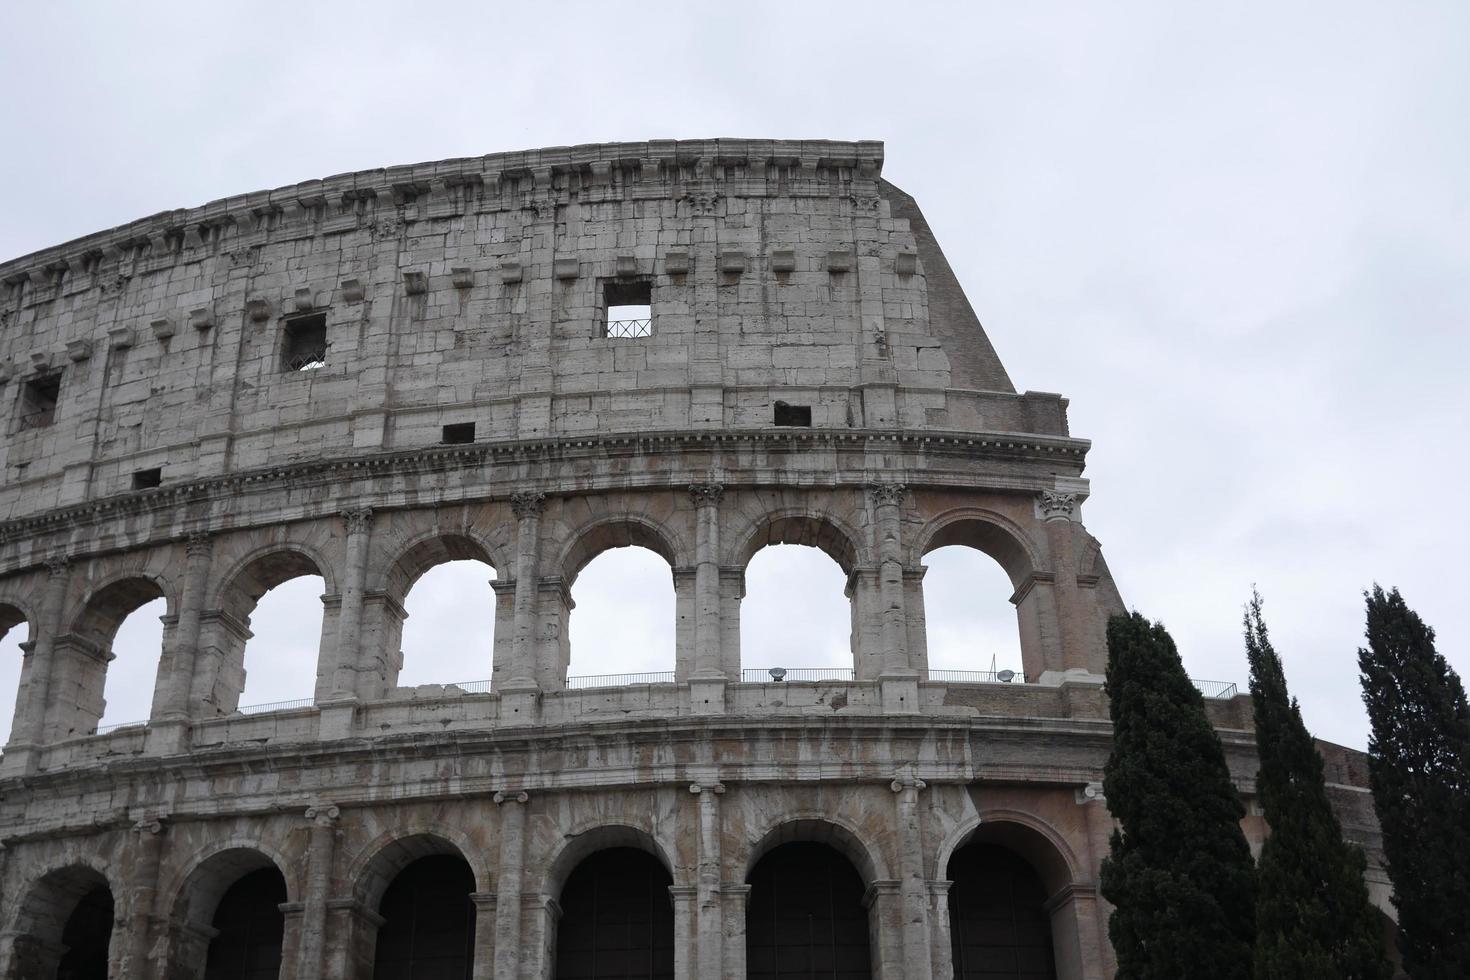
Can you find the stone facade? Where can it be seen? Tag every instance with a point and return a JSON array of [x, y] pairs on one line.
[[813, 375]]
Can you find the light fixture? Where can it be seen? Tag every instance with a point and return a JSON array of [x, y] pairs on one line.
[[778, 674], [1006, 676]]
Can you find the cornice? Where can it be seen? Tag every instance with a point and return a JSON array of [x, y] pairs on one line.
[[536, 179], [130, 506]]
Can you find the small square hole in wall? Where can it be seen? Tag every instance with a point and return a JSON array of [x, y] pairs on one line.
[[38, 401], [305, 343], [793, 414], [629, 306], [459, 433], [147, 479]]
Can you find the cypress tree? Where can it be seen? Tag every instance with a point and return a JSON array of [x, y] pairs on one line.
[[1313, 917], [1179, 873], [1419, 768]]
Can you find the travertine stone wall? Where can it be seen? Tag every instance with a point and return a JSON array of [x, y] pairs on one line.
[[474, 291]]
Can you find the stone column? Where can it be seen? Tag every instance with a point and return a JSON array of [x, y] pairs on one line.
[[940, 941], [918, 630], [341, 683], [1058, 511], [709, 920], [707, 686], [883, 902], [900, 682], [171, 695], [508, 898], [290, 940], [684, 623], [143, 883], [35, 677], [684, 897], [321, 849], [483, 967], [732, 591], [1091, 908], [734, 900], [913, 893], [518, 694]]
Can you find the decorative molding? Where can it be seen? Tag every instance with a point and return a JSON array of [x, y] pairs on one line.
[[199, 543], [703, 203], [697, 788], [527, 503], [323, 814], [706, 494], [511, 796], [151, 824], [358, 519], [887, 493], [57, 565], [1054, 506], [1091, 793]]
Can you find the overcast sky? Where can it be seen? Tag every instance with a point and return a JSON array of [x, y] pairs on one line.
[[1236, 237]]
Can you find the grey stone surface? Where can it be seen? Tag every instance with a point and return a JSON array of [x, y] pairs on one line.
[[473, 291]]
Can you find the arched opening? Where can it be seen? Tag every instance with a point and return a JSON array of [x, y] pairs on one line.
[[64, 929], [999, 925], [806, 916], [617, 918], [250, 928], [265, 637], [796, 614], [103, 672], [449, 628], [970, 623], [428, 930], [620, 582], [13, 633]]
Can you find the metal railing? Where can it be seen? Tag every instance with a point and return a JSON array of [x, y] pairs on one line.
[[619, 680], [976, 676], [472, 687], [109, 729], [1216, 689], [307, 360], [763, 676], [260, 709], [629, 329]]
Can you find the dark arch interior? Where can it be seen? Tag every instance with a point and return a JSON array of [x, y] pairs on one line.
[[998, 924], [86, 936], [617, 919], [428, 932], [806, 916], [251, 927]]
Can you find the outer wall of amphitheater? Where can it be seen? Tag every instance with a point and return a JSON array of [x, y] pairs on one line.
[[208, 402]]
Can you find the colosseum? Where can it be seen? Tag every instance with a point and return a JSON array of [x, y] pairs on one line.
[[366, 376]]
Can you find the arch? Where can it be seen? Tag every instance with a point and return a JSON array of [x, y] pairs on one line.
[[45, 921], [208, 873], [802, 526], [259, 571], [623, 531], [13, 613], [426, 925], [617, 918], [383, 858], [817, 828], [1032, 838], [435, 547], [578, 845], [987, 531], [111, 601], [16, 612], [808, 914]]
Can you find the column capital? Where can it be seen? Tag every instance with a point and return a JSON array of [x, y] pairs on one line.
[[1091, 793], [57, 565], [903, 781], [697, 788], [706, 494], [507, 796], [1056, 506], [886, 493], [323, 814], [527, 503], [150, 825], [359, 519], [198, 543]]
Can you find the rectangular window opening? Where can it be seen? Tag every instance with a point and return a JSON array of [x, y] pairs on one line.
[[459, 433], [793, 414], [629, 305], [147, 479], [38, 401], [305, 347]]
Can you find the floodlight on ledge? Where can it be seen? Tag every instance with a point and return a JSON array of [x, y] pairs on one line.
[[777, 673]]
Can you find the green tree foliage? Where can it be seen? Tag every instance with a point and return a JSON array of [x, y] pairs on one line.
[[1179, 875], [1419, 766], [1313, 917]]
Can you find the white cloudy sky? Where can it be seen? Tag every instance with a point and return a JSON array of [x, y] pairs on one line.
[[1235, 236]]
